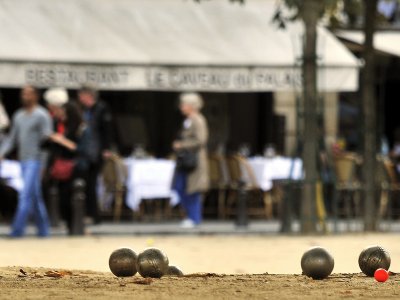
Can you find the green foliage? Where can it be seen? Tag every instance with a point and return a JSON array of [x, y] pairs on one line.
[[296, 8], [331, 11], [290, 10]]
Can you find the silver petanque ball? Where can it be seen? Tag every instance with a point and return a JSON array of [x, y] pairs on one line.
[[122, 262], [174, 271], [373, 258], [152, 262], [317, 263]]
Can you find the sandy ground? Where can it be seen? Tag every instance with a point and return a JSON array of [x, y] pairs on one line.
[[263, 255], [91, 285]]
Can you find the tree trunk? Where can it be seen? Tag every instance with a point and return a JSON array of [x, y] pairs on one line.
[[310, 12], [369, 114]]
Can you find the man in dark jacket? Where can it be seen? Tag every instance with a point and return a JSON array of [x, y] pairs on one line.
[[99, 123]]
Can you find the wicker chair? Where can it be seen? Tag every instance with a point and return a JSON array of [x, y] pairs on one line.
[[347, 187], [389, 186], [219, 181], [242, 176], [114, 175]]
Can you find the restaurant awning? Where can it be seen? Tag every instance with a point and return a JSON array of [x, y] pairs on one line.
[[384, 41], [169, 45]]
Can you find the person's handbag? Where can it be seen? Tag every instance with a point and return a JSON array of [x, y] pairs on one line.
[[62, 169], [186, 160]]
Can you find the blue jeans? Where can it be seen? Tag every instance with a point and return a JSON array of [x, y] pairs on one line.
[[31, 201], [191, 203]]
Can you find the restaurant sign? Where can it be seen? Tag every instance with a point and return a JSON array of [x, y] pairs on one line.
[[165, 78]]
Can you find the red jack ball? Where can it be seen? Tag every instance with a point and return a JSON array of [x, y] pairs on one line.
[[381, 275]]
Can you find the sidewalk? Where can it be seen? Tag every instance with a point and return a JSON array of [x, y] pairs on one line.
[[207, 228]]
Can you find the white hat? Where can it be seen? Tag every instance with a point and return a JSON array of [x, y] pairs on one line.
[[56, 96], [193, 99]]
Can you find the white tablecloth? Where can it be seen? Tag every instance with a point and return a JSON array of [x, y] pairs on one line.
[[10, 170], [268, 169], [149, 179]]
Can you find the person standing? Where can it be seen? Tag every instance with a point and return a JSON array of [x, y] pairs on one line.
[[67, 163], [31, 127], [98, 119], [191, 178]]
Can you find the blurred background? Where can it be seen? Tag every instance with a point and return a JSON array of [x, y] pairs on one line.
[[300, 98]]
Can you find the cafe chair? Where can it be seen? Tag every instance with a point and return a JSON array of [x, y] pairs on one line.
[[242, 176], [390, 187], [347, 187], [219, 181], [114, 175]]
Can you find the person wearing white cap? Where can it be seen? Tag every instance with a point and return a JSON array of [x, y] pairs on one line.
[[66, 163], [191, 178], [55, 98]]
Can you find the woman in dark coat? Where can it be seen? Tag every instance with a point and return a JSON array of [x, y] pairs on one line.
[[68, 128]]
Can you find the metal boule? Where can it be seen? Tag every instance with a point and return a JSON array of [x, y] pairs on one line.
[[317, 263], [174, 271], [373, 258], [122, 262], [153, 263]]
